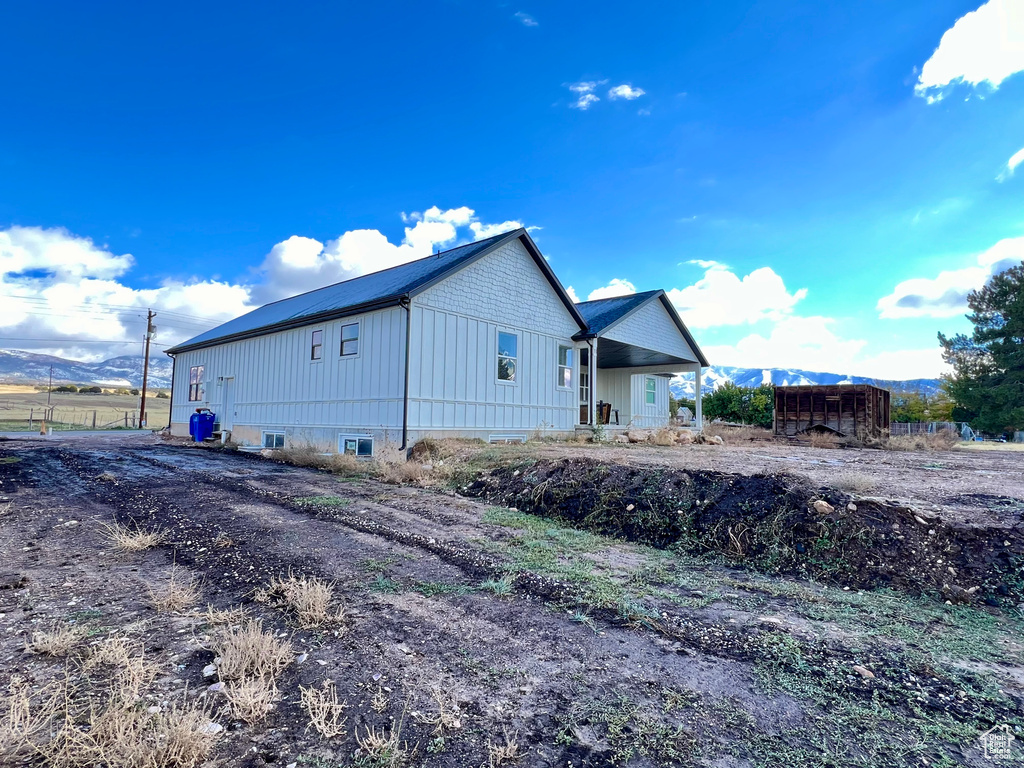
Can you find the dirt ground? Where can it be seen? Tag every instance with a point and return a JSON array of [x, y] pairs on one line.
[[478, 635]]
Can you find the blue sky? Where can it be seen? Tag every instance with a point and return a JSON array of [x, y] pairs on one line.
[[817, 184]]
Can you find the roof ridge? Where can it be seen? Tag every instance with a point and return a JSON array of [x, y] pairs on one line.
[[396, 266], [623, 296]]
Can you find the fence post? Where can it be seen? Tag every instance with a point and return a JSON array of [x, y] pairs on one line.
[[94, 419], [126, 419]]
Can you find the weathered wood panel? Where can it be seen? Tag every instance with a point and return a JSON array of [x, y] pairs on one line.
[[856, 410]]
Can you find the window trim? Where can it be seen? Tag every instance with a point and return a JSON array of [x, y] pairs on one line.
[[498, 357], [358, 339], [197, 388], [316, 348], [559, 368], [358, 438], [275, 433], [653, 391]]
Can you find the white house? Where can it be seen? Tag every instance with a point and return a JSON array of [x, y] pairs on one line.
[[478, 341]]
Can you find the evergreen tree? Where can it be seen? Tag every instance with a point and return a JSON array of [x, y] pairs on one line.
[[987, 383]]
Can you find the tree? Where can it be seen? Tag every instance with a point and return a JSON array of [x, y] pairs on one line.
[[742, 405], [987, 383], [915, 407]]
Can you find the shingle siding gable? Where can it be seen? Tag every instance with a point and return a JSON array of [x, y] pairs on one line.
[[506, 287], [651, 327]]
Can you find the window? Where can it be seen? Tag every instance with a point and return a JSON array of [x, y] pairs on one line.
[[273, 440], [355, 445], [651, 390], [350, 340], [584, 387], [316, 349], [508, 356], [196, 389], [564, 366]]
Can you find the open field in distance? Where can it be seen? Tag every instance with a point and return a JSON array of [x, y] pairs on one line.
[[18, 402]]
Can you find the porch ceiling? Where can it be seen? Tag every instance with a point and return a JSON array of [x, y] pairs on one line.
[[616, 354]]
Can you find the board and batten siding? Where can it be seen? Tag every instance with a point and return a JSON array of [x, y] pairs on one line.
[[627, 392], [454, 384], [277, 387], [651, 327]]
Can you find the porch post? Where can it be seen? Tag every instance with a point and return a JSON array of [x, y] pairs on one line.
[[698, 410], [593, 384]]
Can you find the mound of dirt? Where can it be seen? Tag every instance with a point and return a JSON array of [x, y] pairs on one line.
[[772, 522]]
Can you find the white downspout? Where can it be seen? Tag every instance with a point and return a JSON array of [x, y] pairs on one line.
[[698, 414]]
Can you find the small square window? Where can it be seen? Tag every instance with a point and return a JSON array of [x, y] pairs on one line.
[[316, 350], [273, 440], [350, 340], [357, 446]]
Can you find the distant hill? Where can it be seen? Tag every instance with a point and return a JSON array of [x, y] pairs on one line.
[[17, 367], [716, 376], [126, 371]]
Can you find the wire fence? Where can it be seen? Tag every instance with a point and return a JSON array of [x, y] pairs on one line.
[[32, 419], [964, 430]]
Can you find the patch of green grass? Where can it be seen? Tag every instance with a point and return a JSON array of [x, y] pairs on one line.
[[435, 588], [9, 459], [384, 585], [86, 614], [377, 565], [322, 501], [500, 587]]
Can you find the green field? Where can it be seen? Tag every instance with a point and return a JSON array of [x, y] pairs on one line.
[[22, 407]]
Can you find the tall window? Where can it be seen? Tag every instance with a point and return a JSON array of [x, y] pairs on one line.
[[195, 383], [584, 387], [508, 356], [350, 340], [564, 366], [651, 390], [316, 349]]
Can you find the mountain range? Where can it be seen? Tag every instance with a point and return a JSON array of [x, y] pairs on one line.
[[715, 376], [126, 371], [17, 367]]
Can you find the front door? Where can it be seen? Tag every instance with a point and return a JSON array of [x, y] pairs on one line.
[[227, 419]]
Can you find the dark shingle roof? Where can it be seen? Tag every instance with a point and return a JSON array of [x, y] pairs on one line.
[[602, 313], [377, 288]]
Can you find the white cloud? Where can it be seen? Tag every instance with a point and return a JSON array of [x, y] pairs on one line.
[[1011, 165], [526, 19], [945, 295], [810, 344], [68, 292], [983, 46], [627, 92], [616, 287], [572, 295], [585, 95], [723, 298]]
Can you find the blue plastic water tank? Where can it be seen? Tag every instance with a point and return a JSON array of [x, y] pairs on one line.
[[200, 424]]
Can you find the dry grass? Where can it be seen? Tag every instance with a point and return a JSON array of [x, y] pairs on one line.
[[26, 720], [132, 539], [98, 722], [379, 701], [502, 754], [310, 455], [937, 441], [736, 434], [251, 700], [824, 440], [180, 592], [448, 716], [221, 616], [59, 641], [326, 712], [308, 597], [381, 747], [246, 652], [852, 481]]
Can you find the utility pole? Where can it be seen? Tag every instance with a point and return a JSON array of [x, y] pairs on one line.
[[150, 330]]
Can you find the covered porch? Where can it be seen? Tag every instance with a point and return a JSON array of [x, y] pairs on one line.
[[634, 346]]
